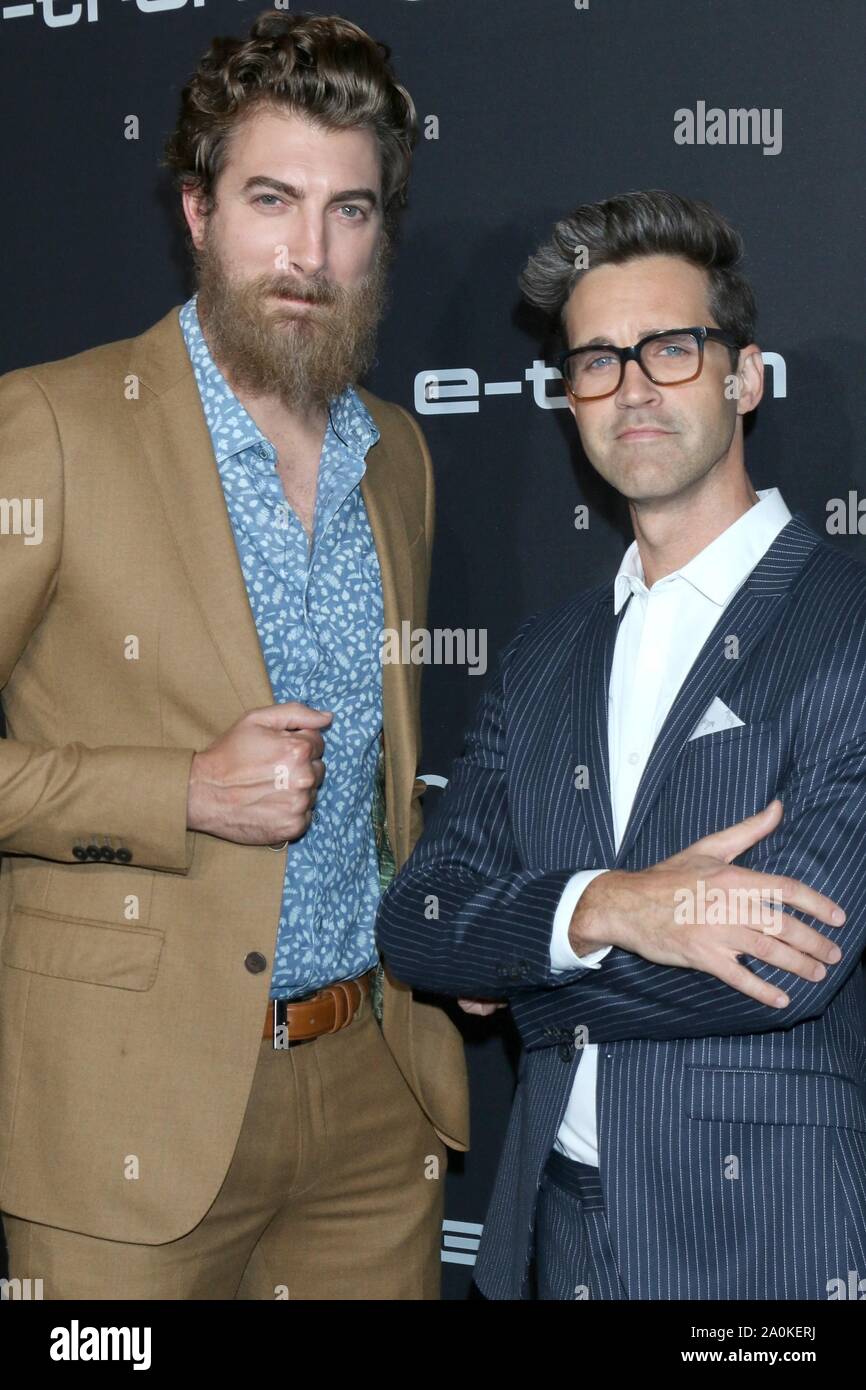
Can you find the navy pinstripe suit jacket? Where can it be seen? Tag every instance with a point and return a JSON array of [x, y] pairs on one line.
[[732, 1136]]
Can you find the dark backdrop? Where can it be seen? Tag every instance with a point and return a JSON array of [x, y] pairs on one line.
[[540, 104]]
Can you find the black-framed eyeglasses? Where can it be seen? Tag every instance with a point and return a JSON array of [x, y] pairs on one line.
[[669, 357]]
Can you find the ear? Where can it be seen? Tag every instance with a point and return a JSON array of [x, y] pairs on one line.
[[196, 220], [750, 378]]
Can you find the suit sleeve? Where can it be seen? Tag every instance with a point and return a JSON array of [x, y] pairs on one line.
[[51, 796], [463, 918], [821, 841]]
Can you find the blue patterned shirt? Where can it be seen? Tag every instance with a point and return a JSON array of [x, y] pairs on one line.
[[318, 611]]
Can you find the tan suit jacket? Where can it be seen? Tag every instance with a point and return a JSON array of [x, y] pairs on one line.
[[130, 1020]]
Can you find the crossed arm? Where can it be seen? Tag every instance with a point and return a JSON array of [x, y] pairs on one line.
[[465, 918], [821, 841]]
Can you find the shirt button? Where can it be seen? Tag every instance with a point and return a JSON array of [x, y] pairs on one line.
[[263, 451], [632, 757]]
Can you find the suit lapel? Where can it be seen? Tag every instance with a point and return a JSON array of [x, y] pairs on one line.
[[177, 444], [590, 681], [751, 612], [381, 494], [748, 616], [388, 525]]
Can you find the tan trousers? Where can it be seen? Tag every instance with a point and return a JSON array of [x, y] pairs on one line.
[[335, 1191]]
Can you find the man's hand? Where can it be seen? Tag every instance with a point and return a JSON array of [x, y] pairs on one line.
[[639, 912], [257, 783], [480, 1006]]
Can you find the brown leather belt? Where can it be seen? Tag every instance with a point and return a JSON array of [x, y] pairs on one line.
[[292, 1021]]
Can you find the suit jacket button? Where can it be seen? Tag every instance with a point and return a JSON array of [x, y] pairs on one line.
[[92, 852], [255, 963], [566, 1052], [106, 853], [123, 856], [79, 851]]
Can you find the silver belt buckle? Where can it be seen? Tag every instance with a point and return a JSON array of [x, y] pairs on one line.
[[281, 1042]]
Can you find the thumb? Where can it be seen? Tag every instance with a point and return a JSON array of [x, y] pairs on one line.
[[734, 840], [293, 716]]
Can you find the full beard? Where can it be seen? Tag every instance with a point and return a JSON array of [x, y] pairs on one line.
[[303, 357]]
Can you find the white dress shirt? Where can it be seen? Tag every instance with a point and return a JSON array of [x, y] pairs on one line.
[[658, 640]]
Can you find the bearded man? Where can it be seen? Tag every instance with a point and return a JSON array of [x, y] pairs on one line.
[[212, 1087]]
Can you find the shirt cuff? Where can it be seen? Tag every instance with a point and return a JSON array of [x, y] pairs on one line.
[[562, 957]]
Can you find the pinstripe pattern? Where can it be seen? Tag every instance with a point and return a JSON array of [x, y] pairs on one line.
[[732, 1138], [575, 1259]]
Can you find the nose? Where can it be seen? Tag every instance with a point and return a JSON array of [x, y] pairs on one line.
[[307, 253], [636, 387]]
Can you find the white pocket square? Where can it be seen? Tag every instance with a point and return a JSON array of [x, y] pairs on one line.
[[718, 716]]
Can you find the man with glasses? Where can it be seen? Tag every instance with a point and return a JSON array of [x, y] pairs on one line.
[[658, 826]]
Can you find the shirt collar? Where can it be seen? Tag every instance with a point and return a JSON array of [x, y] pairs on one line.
[[231, 426], [720, 568]]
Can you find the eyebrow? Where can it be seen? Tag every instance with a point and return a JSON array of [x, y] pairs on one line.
[[606, 342], [344, 195]]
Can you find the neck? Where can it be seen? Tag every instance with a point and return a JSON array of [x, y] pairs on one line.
[[674, 530], [277, 420]]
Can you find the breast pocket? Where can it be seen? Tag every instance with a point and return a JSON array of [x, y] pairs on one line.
[[720, 778], [719, 737]]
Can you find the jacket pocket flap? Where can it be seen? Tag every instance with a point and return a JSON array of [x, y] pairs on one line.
[[126, 957], [775, 1097], [97, 892]]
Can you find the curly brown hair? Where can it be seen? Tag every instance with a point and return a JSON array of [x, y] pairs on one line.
[[319, 66]]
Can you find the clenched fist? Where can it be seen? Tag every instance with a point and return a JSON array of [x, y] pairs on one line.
[[257, 783]]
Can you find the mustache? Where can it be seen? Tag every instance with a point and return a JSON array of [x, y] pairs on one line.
[[319, 292]]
